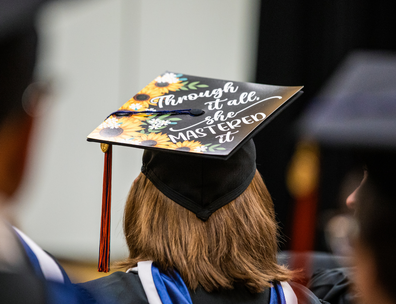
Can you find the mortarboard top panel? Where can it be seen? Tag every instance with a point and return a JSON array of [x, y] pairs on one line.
[[229, 113], [357, 108]]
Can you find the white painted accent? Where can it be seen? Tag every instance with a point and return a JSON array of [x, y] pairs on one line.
[[146, 278], [48, 266], [288, 291]]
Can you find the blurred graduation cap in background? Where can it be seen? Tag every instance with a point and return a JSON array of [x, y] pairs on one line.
[[196, 134], [357, 107]]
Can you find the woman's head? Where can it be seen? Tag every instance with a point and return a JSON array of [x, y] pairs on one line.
[[237, 244]]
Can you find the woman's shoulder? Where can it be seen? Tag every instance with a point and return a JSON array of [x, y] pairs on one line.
[[119, 287]]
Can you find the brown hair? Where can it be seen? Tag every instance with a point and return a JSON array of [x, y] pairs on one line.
[[237, 244]]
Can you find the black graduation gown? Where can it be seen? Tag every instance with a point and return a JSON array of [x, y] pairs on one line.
[[333, 285], [21, 288], [126, 288], [28, 285]]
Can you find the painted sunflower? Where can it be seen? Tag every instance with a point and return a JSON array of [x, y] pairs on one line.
[[158, 140], [145, 95], [114, 129], [165, 83], [186, 146]]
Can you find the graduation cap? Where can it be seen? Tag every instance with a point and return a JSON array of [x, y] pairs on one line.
[[196, 133], [357, 107]]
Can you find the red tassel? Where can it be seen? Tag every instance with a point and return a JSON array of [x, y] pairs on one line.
[[104, 248]]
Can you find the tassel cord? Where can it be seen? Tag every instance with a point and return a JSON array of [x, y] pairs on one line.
[[104, 247]]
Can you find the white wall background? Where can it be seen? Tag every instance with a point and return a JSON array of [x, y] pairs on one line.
[[98, 54]]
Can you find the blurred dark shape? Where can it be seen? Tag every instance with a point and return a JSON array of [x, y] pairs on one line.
[[18, 42], [17, 16], [302, 43]]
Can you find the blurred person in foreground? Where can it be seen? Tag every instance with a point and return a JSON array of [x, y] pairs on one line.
[[370, 277], [27, 273], [356, 114], [375, 204]]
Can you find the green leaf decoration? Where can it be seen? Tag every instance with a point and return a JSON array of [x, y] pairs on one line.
[[213, 148], [184, 89], [142, 132], [191, 86], [207, 145], [194, 85], [184, 83], [163, 116], [174, 119]]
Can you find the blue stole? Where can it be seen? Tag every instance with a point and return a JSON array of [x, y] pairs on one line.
[[276, 294], [32, 258], [171, 289]]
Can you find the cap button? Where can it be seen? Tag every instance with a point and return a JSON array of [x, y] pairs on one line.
[[196, 112], [203, 214]]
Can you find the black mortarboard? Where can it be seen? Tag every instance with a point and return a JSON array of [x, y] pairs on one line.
[[196, 133], [357, 108]]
